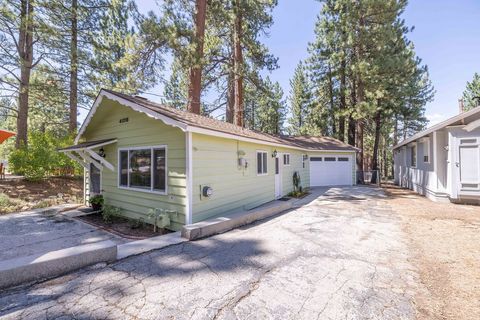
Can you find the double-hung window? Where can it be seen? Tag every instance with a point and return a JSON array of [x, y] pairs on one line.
[[143, 169], [262, 163], [413, 156], [286, 159]]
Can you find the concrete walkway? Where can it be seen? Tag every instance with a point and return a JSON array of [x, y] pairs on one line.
[[34, 232], [338, 257]]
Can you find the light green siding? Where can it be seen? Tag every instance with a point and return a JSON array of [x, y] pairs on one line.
[[215, 164], [140, 130]]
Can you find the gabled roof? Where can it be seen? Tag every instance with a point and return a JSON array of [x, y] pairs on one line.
[[188, 121], [89, 145], [459, 119]]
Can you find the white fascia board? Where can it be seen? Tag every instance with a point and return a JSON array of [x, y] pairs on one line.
[[439, 126], [472, 126], [251, 140], [134, 106]]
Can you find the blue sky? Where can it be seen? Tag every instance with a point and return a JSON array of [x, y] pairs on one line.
[[446, 38]]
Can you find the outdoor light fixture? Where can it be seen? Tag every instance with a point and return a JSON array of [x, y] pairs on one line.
[[274, 154], [101, 153], [305, 156]]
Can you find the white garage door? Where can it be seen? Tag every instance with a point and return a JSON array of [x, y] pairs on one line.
[[330, 170]]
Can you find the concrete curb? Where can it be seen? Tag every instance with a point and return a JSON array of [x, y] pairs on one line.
[[53, 210], [222, 224], [55, 263], [141, 246]]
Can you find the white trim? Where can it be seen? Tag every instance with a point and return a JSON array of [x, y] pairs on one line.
[[151, 190], [256, 162], [77, 159], [134, 106], [89, 160], [94, 155], [439, 126], [189, 177], [219, 134], [472, 126]]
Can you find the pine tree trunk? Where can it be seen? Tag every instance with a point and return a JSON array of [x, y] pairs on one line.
[[195, 85], [395, 142], [376, 144], [238, 61], [25, 52], [351, 121], [72, 124], [332, 102], [343, 101]]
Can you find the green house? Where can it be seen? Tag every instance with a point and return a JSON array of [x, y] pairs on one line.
[[142, 155]]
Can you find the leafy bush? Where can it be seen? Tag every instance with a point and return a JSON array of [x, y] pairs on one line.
[[40, 158], [109, 212]]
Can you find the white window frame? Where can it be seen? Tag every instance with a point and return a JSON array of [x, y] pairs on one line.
[[256, 160], [413, 147], [164, 147], [286, 156], [426, 150]]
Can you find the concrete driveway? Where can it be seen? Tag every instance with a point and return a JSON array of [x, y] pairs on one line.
[[341, 256]]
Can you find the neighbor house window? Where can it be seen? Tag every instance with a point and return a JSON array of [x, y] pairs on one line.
[[143, 168], [413, 156], [286, 159], [261, 162], [426, 150]]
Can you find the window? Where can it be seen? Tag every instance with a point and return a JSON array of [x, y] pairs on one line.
[[330, 159], [261, 163], [286, 159], [143, 169], [315, 158], [426, 150], [413, 156], [345, 159]]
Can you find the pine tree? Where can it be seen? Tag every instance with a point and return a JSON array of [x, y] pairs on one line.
[[300, 101], [471, 95]]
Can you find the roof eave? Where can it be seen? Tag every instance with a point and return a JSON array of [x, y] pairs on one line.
[[437, 127]]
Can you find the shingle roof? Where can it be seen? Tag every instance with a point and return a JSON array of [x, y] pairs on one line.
[[199, 121]]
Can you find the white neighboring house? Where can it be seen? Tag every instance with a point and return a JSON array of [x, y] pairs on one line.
[[443, 161]]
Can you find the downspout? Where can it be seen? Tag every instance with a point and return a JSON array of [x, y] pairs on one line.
[[189, 176]]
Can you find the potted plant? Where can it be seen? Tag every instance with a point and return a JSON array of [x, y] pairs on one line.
[[96, 202]]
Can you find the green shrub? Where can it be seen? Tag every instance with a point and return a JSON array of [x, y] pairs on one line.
[[40, 158], [109, 212]]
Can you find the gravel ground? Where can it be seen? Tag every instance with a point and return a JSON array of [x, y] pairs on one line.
[[343, 256], [444, 240]]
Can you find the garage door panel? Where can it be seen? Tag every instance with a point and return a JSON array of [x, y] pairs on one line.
[[332, 170]]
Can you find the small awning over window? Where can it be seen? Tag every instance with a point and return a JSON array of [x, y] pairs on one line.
[[83, 154]]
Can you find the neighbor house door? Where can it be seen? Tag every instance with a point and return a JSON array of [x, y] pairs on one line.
[[278, 178], [469, 166], [95, 180]]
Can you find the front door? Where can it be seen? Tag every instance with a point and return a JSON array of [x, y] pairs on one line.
[[278, 178], [95, 180]]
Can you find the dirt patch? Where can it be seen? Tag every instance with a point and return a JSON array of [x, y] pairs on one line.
[[445, 243], [19, 195], [130, 229]]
